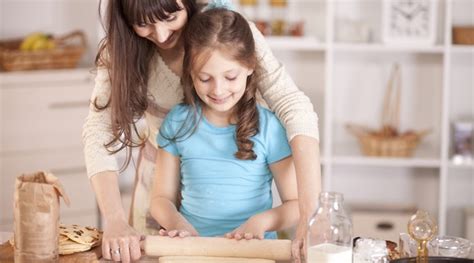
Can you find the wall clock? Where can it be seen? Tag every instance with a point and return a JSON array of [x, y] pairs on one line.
[[409, 21]]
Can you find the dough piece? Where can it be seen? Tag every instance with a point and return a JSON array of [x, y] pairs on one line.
[[69, 247], [83, 235], [202, 259], [75, 238]]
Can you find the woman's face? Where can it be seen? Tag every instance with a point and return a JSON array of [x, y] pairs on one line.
[[165, 34], [220, 83]]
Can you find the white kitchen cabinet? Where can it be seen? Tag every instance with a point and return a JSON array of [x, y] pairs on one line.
[[35, 105], [42, 113], [380, 224], [346, 82]]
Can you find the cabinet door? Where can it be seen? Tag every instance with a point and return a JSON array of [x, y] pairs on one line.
[[382, 225], [48, 114]]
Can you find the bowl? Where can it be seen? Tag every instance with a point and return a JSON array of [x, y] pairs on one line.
[[449, 246]]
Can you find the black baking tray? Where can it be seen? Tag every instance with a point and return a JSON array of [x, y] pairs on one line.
[[434, 260]]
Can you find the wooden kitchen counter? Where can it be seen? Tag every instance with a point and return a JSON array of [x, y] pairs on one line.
[[94, 255], [7, 256]]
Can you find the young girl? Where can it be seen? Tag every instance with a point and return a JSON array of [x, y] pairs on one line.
[[219, 149]]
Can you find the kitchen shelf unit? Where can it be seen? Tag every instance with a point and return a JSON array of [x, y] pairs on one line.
[[326, 70]]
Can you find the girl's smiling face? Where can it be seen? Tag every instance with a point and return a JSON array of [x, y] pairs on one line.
[[220, 83]]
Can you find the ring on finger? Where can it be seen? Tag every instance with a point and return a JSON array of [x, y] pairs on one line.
[[115, 251]]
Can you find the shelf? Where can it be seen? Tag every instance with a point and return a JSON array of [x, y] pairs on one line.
[[46, 75], [295, 43], [454, 165], [377, 48], [463, 49], [349, 154], [312, 44]]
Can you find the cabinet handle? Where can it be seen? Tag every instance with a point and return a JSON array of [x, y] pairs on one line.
[[385, 226], [68, 105], [68, 171]]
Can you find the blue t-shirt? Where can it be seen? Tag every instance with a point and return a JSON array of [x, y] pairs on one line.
[[220, 192]]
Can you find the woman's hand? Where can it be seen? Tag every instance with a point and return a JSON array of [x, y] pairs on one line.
[[121, 242], [253, 228], [298, 245]]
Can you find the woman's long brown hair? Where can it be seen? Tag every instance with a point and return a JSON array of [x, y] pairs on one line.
[[228, 32], [127, 57]]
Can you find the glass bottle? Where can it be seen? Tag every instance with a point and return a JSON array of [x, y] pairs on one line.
[[330, 231]]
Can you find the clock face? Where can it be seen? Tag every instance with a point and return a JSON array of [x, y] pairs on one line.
[[410, 20]]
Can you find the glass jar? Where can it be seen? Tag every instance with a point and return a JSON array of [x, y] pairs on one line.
[[249, 9], [330, 231], [279, 11]]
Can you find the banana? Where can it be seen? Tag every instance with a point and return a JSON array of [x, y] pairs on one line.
[[29, 41], [40, 44], [37, 41], [51, 44]]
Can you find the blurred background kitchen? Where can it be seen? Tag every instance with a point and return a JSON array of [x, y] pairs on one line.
[[341, 53]]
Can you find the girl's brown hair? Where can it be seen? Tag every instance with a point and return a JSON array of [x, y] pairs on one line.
[[226, 31], [127, 57]]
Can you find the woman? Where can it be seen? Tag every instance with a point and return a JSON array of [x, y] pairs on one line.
[[139, 68]]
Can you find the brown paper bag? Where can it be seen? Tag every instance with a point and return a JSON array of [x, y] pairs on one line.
[[36, 208]]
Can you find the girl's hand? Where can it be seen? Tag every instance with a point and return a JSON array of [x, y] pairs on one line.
[[178, 233], [182, 229], [121, 242], [254, 228], [298, 245]]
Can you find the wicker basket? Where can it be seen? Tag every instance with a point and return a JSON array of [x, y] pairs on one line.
[[377, 143], [463, 35], [69, 49], [388, 141]]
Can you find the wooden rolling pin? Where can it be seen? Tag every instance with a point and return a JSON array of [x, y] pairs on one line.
[[217, 247]]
